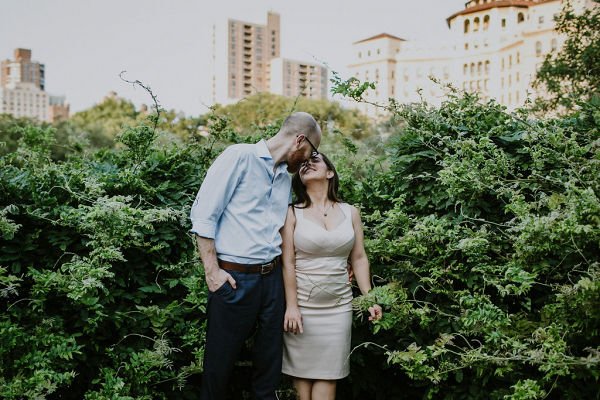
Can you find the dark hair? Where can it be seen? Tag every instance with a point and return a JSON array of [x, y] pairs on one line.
[[302, 198]]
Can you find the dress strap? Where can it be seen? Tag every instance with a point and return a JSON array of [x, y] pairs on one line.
[[298, 212], [345, 207]]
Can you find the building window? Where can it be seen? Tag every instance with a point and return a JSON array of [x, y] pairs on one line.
[[472, 68], [377, 51], [486, 22], [377, 74], [259, 51], [273, 53], [479, 68], [272, 39], [502, 84], [259, 58], [259, 37], [510, 61], [233, 46], [520, 18], [259, 44], [359, 54], [392, 74], [541, 19], [487, 67], [502, 64], [538, 48], [476, 24], [392, 90], [509, 80], [466, 46], [503, 23], [518, 57], [406, 74], [369, 53], [467, 25], [233, 39], [233, 54], [233, 31], [554, 45], [517, 77], [465, 69], [233, 24]]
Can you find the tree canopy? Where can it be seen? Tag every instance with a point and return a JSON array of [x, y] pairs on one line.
[[572, 74]]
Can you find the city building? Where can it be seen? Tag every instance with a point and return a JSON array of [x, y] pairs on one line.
[[22, 69], [22, 93], [493, 47], [292, 78], [247, 60]]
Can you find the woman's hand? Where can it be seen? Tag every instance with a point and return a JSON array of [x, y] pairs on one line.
[[293, 320], [376, 312]]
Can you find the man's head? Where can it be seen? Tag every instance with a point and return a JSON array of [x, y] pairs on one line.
[[304, 135]]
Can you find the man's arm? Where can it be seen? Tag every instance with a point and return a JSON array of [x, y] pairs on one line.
[[215, 193], [215, 276]]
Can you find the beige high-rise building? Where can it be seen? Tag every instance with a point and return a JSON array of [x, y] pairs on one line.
[[242, 51], [291, 78], [22, 69], [493, 47], [22, 93], [247, 60]]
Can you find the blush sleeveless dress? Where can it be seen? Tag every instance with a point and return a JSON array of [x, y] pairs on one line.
[[324, 300]]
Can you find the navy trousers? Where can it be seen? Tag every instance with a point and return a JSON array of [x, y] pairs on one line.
[[233, 314]]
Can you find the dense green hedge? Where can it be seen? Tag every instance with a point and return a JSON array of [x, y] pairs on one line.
[[482, 227]]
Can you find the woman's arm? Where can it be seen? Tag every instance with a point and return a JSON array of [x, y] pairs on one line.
[[360, 263], [293, 318]]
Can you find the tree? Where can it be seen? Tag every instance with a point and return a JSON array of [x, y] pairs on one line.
[[261, 107], [572, 74]]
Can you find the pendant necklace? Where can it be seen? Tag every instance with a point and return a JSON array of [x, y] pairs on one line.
[[324, 212]]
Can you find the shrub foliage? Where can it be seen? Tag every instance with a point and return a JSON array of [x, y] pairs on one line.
[[482, 227]]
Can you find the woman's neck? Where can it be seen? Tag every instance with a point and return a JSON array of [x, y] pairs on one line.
[[318, 194]]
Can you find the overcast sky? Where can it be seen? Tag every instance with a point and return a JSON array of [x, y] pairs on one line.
[[167, 44]]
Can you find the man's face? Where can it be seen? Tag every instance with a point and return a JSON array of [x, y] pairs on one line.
[[299, 155]]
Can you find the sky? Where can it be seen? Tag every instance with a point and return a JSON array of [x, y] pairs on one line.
[[167, 45]]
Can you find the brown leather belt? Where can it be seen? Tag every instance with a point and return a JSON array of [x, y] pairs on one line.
[[250, 268]]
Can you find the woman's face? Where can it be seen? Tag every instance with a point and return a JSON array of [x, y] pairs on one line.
[[314, 169]]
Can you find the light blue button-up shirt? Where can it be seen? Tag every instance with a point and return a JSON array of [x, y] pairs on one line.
[[242, 205]]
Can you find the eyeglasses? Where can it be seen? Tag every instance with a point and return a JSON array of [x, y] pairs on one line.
[[315, 152]]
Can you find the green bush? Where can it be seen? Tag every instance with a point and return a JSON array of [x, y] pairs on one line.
[[482, 228]]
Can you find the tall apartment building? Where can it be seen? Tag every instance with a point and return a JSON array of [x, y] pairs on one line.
[[247, 60], [292, 78], [493, 47], [22, 93], [22, 69]]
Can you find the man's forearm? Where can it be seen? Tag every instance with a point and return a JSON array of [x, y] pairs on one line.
[[208, 254]]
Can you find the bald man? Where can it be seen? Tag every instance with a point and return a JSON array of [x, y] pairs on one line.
[[237, 215]]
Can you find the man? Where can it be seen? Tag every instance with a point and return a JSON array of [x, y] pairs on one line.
[[236, 217]]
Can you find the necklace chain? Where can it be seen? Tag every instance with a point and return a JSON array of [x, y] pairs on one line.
[[324, 212]]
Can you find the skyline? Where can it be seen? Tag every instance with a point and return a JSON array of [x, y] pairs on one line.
[[85, 46]]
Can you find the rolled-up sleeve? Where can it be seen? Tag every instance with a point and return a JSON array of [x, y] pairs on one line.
[[215, 192]]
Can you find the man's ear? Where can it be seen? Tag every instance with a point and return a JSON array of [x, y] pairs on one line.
[[298, 140]]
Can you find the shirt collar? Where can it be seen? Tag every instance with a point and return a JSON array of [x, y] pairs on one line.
[[263, 152]]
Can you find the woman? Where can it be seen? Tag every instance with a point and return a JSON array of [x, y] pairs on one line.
[[319, 236]]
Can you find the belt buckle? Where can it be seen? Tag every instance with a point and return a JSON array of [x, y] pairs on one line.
[[263, 268]]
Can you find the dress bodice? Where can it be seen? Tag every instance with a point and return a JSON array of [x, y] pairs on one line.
[[321, 260]]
